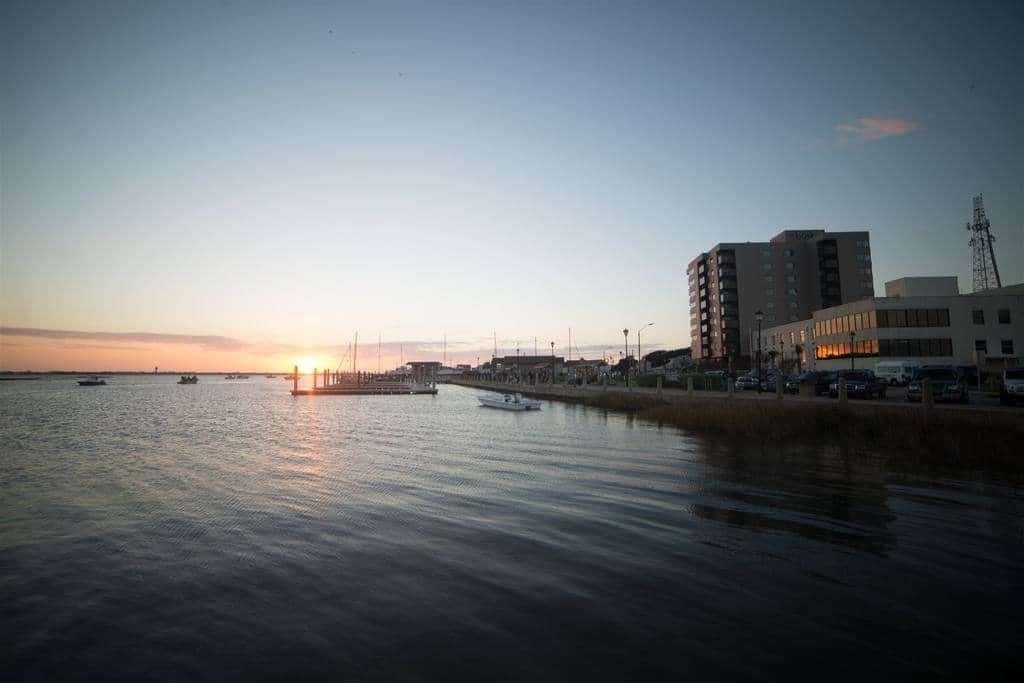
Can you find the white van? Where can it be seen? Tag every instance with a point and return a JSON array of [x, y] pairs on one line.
[[896, 371]]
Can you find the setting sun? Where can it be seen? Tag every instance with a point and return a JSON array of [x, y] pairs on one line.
[[307, 365]]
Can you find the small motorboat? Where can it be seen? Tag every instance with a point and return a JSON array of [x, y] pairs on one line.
[[189, 379], [241, 376], [510, 402], [270, 376], [93, 381], [290, 377], [231, 377]]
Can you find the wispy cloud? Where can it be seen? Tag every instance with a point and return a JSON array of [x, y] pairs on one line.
[[206, 341], [872, 128]]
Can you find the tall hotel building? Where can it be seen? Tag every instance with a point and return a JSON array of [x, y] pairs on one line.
[[787, 279]]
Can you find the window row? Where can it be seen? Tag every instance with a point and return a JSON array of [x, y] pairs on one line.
[[914, 348], [864, 347], [914, 317]]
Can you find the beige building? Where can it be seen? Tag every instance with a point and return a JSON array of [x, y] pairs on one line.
[[933, 325], [788, 278]]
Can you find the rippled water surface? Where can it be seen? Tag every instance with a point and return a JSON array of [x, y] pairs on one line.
[[230, 531]]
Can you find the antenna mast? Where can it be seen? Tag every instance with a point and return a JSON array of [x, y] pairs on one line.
[[986, 272]]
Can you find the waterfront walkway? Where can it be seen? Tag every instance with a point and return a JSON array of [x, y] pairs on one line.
[[681, 396]]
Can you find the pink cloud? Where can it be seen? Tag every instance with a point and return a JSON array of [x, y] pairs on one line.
[[874, 128]]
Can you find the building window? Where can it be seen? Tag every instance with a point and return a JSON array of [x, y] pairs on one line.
[[791, 291], [770, 317], [792, 304], [791, 278], [981, 345], [863, 257], [978, 316], [766, 266], [1007, 347], [769, 279], [909, 348], [867, 285], [769, 292], [790, 265], [787, 252], [770, 304], [1004, 316], [766, 253], [862, 244]]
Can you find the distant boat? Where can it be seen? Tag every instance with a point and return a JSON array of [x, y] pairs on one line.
[[270, 376], [93, 381], [189, 379], [290, 377], [510, 402], [241, 376], [230, 377]]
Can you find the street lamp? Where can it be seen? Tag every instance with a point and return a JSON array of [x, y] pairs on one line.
[[638, 354], [758, 316], [625, 336], [552, 362], [851, 349]]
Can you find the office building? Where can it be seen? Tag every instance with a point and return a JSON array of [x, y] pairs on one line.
[[924, 320], [787, 278]]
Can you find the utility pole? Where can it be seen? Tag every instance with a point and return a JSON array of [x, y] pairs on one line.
[[759, 316]]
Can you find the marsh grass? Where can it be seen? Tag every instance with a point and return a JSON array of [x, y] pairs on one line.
[[912, 433]]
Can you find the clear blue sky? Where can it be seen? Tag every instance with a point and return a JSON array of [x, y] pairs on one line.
[[286, 173]]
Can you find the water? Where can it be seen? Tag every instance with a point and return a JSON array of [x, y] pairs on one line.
[[230, 531]]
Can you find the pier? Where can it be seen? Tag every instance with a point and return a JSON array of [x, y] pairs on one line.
[[327, 383]]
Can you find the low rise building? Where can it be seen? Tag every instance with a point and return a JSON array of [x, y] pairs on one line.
[[923, 320]]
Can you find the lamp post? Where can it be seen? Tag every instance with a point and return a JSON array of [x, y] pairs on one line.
[[638, 354], [625, 336], [758, 316], [851, 350], [552, 362]]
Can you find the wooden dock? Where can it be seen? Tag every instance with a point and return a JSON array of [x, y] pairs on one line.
[[358, 384]]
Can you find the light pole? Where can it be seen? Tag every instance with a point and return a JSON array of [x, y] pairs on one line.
[[552, 362], [758, 316], [638, 354], [625, 336], [851, 350]]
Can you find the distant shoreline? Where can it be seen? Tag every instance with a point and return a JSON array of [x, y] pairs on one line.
[[5, 374]]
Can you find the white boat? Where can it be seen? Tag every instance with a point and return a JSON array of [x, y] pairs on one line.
[[510, 402]]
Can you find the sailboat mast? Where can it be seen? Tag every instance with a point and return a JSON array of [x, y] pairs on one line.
[[355, 351]]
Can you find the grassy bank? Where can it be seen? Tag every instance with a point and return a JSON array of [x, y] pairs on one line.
[[937, 435]]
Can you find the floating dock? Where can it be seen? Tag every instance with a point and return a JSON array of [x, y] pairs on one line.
[[359, 384]]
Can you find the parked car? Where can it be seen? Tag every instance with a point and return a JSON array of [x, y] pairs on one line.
[[948, 385], [746, 383], [896, 372], [1012, 390], [821, 379], [859, 384], [792, 385]]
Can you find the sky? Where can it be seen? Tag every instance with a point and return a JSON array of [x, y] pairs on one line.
[[243, 185]]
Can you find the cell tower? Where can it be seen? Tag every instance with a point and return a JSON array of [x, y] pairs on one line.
[[986, 273]]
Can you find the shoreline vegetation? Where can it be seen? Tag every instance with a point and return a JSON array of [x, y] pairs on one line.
[[936, 434]]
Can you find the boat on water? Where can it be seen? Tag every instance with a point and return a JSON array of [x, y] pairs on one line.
[[230, 377], [510, 402], [189, 379], [290, 377], [270, 376], [241, 376], [93, 381]]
